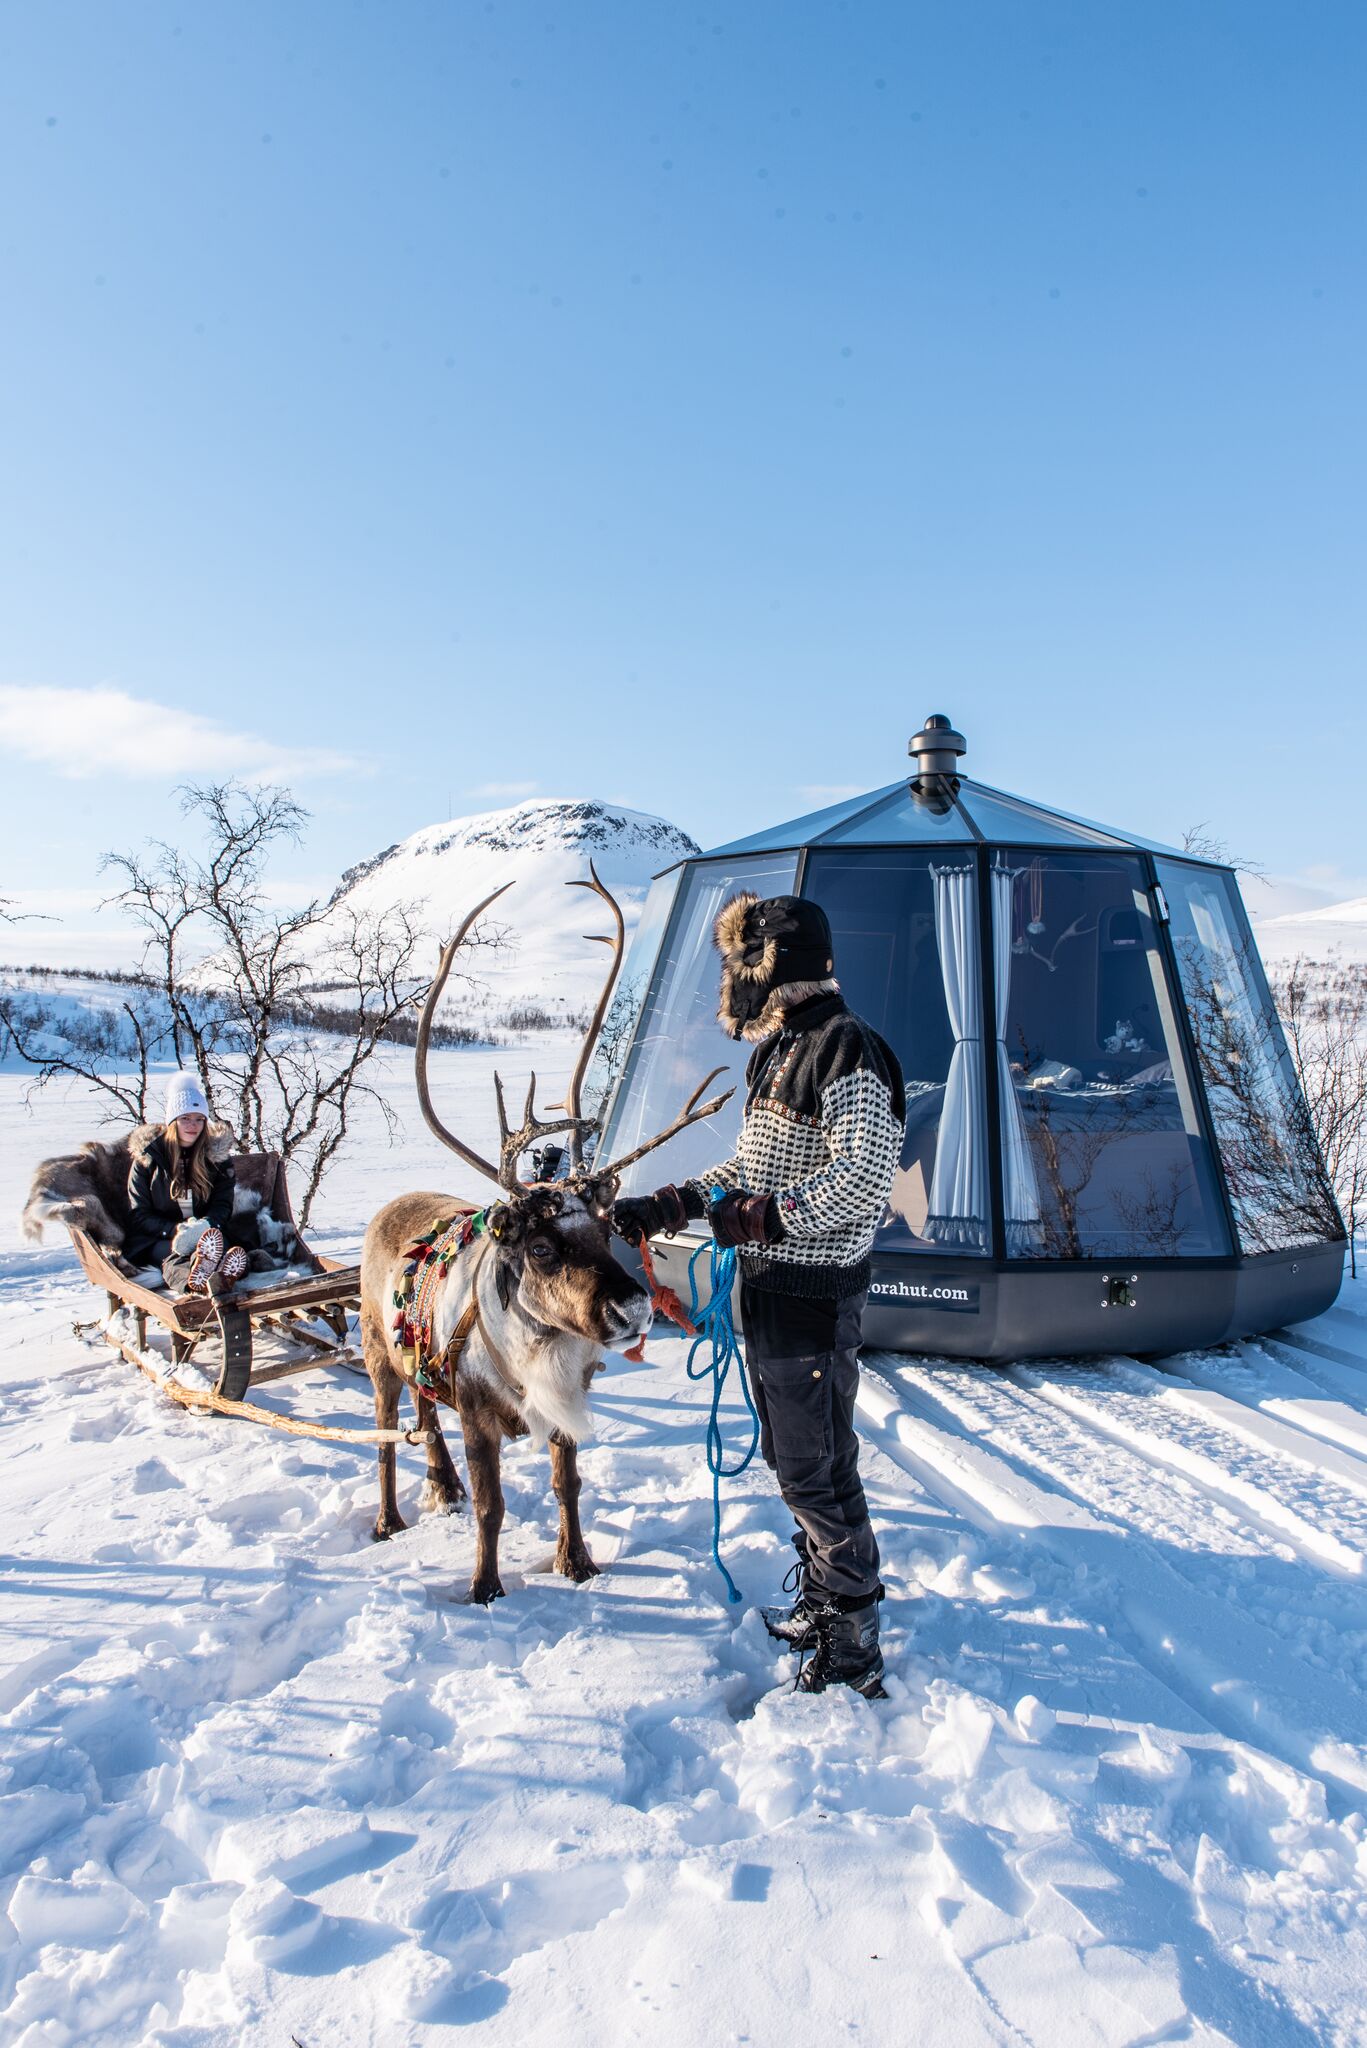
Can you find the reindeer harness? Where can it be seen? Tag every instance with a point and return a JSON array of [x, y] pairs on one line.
[[428, 1261]]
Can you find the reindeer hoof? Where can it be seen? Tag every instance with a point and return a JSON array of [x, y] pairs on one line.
[[576, 1565], [484, 1591], [436, 1500], [386, 1526]]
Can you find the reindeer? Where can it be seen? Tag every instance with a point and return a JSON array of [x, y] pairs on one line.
[[519, 1313]]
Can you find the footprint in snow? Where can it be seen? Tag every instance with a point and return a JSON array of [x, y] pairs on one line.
[[151, 1476], [100, 1425]]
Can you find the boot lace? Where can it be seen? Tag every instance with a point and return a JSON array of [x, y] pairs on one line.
[[821, 1657], [792, 1578]]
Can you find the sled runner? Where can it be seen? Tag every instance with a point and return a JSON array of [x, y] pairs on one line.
[[289, 1307]]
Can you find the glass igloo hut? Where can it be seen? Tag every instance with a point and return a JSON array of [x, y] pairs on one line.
[[1106, 1145]]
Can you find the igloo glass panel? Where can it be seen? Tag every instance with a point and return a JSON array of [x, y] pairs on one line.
[[1277, 1185], [629, 996], [1001, 817], [900, 818], [679, 1039], [804, 831], [909, 960], [1103, 1152]]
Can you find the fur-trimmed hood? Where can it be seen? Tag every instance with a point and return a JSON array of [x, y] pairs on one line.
[[775, 951], [146, 1140]]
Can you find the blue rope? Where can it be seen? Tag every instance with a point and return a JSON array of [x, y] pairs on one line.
[[717, 1331]]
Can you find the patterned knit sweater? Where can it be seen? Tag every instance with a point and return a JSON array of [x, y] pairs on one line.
[[823, 1133]]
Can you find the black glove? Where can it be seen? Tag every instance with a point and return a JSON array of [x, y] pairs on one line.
[[638, 1216], [746, 1219]]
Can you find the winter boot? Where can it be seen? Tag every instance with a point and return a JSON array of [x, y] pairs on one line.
[[847, 1651], [236, 1265], [205, 1260], [793, 1626]]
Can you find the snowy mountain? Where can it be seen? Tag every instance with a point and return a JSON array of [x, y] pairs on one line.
[[540, 846], [1338, 931]]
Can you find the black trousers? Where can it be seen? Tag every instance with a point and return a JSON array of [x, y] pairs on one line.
[[803, 1358]]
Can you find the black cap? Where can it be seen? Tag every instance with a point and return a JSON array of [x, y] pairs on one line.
[[801, 931]]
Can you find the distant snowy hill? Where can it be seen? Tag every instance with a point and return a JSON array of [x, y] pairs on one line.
[[1338, 931], [540, 846]]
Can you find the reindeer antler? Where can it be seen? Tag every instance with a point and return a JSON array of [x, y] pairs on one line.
[[513, 1143], [689, 1114], [429, 1011], [573, 1120], [572, 1104]]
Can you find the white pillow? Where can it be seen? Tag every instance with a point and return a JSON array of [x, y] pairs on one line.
[[1054, 1074]]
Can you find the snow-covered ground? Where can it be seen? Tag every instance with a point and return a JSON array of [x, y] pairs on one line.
[[266, 1782]]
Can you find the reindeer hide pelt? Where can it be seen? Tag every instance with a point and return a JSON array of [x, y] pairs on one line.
[[88, 1189]]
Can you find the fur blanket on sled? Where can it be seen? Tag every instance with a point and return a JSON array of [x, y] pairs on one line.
[[88, 1190]]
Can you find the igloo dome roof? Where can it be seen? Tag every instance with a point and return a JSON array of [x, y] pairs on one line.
[[973, 815], [938, 807]]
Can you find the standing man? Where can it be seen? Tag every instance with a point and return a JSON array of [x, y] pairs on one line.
[[802, 1198]]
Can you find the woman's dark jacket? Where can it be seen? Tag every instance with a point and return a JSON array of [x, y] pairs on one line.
[[154, 1212]]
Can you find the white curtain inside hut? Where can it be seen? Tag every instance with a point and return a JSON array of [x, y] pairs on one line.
[[958, 1190], [1020, 1189]]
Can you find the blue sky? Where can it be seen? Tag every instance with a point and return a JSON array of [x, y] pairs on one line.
[[442, 402]]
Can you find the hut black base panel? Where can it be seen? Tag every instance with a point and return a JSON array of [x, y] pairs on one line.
[[971, 1308]]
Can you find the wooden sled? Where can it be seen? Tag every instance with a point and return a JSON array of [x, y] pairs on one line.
[[328, 1293]]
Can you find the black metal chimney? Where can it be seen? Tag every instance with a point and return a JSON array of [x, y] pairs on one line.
[[936, 749]]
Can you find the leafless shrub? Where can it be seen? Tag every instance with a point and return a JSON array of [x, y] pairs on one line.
[[402, 1029], [1203, 844], [1324, 1015], [46, 976], [529, 1017], [1151, 1210], [247, 1023]]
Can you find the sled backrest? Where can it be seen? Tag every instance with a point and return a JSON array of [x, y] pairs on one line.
[[264, 1174]]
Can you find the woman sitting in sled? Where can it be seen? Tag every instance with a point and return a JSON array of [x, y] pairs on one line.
[[181, 1186]]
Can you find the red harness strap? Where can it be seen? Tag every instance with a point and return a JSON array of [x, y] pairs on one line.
[[663, 1300]]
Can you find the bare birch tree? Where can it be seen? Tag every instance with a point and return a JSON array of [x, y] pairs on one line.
[[1203, 844], [243, 1017], [1324, 1016]]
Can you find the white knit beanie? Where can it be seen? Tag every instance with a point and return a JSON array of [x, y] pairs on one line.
[[184, 1097]]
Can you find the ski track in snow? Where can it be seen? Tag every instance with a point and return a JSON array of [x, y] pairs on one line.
[[261, 1778]]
